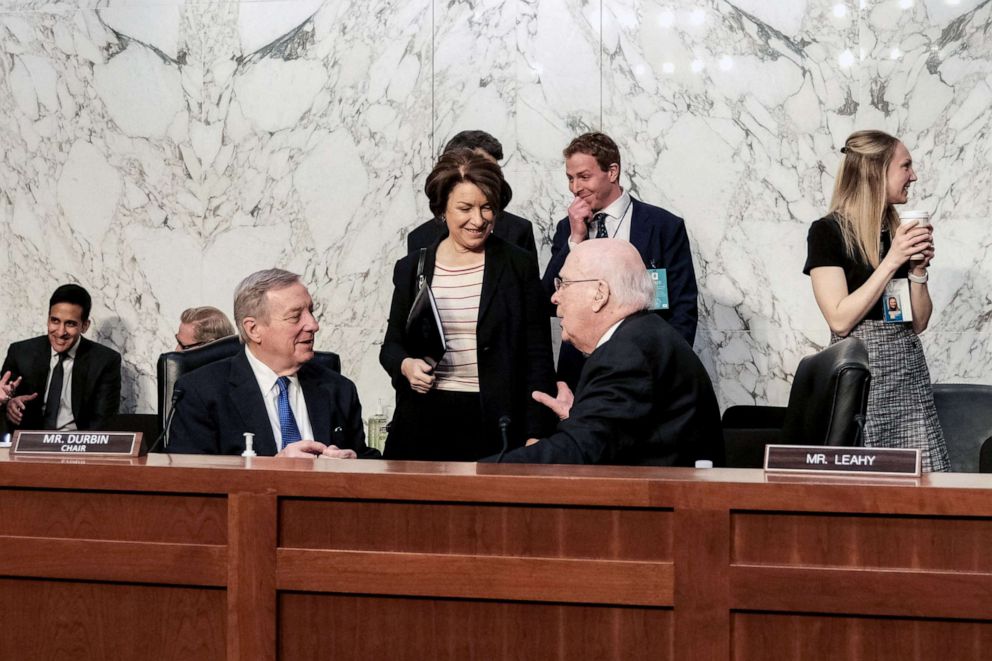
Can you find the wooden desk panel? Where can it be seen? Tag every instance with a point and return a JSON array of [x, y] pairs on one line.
[[210, 557], [777, 637], [483, 529], [405, 629], [86, 621]]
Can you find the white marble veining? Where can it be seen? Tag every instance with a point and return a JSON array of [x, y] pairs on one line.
[[159, 150]]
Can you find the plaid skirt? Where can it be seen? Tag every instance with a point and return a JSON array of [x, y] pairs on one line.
[[901, 412]]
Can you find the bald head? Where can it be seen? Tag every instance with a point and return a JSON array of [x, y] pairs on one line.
[[611, 283]]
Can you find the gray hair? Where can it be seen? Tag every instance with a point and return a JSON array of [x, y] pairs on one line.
[[632, 289], [249, 296], [208, 323]]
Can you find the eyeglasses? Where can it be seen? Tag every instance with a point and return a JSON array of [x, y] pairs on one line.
[[187, 347], [560, 283]]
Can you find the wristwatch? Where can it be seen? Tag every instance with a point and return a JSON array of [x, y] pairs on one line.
[[919, 279]]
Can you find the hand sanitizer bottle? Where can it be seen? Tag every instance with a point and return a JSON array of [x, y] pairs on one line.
[[377, 429]]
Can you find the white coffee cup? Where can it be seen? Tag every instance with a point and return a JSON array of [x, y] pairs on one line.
[[923, 220]]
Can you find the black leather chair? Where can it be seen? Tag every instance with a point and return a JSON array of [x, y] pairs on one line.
[[146, 423], [174, 364], [747, 430], [829, 397], [965, 412]]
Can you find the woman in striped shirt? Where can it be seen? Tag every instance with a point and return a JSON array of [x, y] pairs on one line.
[[493, 313]]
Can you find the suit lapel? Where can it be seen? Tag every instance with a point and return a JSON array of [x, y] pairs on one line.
[[80, 370], [39, 363], [317, 409], [491, 274], [641, 235], [247, 400]]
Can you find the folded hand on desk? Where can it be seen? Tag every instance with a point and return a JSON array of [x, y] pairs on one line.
[[314, 449]]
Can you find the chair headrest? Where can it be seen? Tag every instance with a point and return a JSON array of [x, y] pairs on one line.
[[829, 394], [173, 364]]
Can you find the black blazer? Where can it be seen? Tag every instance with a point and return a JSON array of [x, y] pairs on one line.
[[661, 239], [512, 229], [221, 401], [643, 399], [96, 381], [512, 332]]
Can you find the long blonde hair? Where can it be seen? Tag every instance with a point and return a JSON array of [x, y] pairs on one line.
[[859, 200]]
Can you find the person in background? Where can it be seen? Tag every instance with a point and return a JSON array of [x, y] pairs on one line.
[[601, 208], [493, 313], [68, 381], [644, 397], [512, 229], [200, 325], [272, 389], [854, 253]]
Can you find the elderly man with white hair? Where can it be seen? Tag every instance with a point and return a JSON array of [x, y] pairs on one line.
[[643, 397]]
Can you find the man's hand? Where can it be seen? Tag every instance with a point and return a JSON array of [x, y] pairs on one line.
[[531, 441], [579, 213], [15, 407], [334, 452], [8, 387], [561, 404], [303, 449]]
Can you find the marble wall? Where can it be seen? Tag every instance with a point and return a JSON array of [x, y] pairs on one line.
[[159, 150]]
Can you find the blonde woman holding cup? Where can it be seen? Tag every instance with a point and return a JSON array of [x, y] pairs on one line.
[[859, 256]]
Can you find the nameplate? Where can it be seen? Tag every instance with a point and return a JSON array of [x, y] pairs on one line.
[[840, 460], [89, 443]]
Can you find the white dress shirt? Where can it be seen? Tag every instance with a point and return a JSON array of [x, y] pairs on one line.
[[269, 387], [66, 420]]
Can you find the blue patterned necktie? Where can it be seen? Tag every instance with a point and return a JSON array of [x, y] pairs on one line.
[[287, 422], [600, 220]]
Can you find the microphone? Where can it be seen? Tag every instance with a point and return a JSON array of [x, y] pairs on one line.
[[177, 394], [504, 424]]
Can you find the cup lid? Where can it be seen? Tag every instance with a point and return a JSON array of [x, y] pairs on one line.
[[914, 214]]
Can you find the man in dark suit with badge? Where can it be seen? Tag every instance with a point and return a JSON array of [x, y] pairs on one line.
[[271, 389], [66, 381], [643, 397], [512, 229], [602, 209]]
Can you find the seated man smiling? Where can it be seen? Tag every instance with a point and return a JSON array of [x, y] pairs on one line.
[[294, 407]]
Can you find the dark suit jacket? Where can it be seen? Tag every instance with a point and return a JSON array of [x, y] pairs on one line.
[[643, 399], [513, 336], [221, 401], [96, 381], [661, 239], [512, 229]]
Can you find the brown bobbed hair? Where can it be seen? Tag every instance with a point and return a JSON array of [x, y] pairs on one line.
[[466, 166], [598, 145]]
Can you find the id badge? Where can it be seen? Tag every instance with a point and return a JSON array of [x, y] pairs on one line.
[[896, 307], [660, 279]]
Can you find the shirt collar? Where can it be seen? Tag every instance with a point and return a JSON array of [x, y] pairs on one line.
[[608, 334], [618, 207], [264, 374]]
